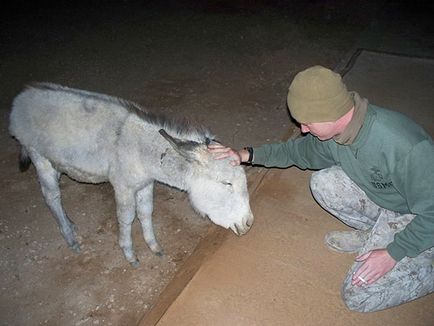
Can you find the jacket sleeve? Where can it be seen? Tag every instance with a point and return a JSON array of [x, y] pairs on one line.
[[415, 181], [306, 152]]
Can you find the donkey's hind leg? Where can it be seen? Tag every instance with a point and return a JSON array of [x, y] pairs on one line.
[[49, 181], [144, 203]]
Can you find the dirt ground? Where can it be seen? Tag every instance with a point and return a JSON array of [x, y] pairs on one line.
[[223, 64]]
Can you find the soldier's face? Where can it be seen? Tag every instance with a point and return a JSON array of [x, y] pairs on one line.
[[327, 130], [321, 130]]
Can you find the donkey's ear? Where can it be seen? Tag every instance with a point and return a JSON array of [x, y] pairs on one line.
[[212, 142], [185, 148]]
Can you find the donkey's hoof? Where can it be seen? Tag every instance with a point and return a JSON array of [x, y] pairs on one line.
[[135, 263], [159, 253], [75, 248]]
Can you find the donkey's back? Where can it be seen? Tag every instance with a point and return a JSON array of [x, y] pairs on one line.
[[76, 130]]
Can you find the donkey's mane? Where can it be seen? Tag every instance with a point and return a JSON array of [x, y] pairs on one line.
[[182, 127]]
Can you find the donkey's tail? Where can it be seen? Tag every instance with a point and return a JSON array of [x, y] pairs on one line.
[[24, 160]]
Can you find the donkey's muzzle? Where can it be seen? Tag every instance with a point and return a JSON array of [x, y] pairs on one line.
[[244, 227]]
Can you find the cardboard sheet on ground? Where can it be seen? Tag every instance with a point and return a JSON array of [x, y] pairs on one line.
[[281, 273], [404, 84]]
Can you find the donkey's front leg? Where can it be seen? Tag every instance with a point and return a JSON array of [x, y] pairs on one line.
[[125, 206], [144, 204]]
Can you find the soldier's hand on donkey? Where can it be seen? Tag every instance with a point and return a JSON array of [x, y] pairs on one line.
[[224, 152]]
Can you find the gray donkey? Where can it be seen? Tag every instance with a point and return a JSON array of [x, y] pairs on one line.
[[97, 138]]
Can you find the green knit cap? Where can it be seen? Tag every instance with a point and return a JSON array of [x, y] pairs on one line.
[[318, 94]]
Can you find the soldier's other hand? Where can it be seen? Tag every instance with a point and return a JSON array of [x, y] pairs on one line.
[[376, 263]]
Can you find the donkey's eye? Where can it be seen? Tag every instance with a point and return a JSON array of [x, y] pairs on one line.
[[227, 183]]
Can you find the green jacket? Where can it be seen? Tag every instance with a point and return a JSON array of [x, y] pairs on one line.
[[391, 159]]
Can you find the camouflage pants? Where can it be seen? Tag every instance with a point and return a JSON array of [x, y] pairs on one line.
[[410, 279]]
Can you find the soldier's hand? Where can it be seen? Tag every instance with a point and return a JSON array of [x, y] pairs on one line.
[[376, 263], [224, 152]]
